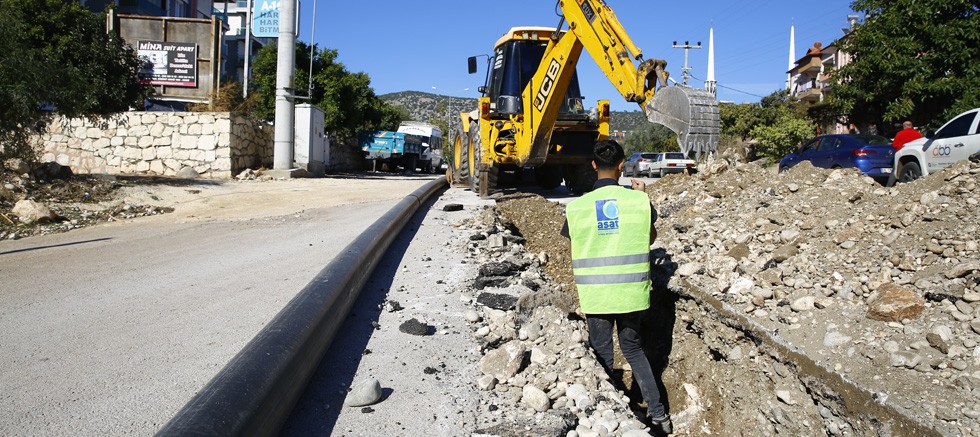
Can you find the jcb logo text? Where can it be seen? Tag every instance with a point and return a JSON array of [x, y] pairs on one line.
[[548, 85]]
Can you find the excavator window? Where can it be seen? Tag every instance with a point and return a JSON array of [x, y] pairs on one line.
[[514, 66]]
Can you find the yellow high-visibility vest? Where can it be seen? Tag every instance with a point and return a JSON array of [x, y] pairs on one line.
[[610, 232]]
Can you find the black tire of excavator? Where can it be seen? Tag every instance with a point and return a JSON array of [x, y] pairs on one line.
[[478, 183], [547, 176], [463, 172], [580, 178]]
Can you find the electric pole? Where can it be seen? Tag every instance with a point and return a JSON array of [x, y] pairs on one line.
[[687, 46], [285, 65]]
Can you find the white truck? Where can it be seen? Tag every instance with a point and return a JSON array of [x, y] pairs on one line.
[[671, 162], [431, 157]]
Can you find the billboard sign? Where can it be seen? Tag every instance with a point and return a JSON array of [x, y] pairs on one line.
[[168, 63], [265, 19]]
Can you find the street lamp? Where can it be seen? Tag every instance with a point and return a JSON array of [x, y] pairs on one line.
[[449, 115]]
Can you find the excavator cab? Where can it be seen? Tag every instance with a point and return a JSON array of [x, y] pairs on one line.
[[514, 64]]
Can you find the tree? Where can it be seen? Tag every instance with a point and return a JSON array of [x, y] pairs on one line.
[[347, 99], [650, 137], [56, 55], [912, 59]]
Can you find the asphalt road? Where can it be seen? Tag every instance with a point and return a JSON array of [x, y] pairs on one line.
[[109, 330]]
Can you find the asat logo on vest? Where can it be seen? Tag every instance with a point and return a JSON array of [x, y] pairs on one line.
[[607, 214]]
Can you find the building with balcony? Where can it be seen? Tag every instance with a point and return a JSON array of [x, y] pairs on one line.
[[810, 76], [235, 14]]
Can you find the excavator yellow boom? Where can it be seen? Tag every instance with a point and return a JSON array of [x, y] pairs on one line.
[[532, 112]]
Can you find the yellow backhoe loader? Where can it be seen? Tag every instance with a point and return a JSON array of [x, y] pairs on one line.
[[532, 115]]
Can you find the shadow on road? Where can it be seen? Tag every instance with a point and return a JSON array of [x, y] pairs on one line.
[[52, 246], [318, 408]]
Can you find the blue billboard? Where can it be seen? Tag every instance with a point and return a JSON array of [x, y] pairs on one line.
[[265, 19]]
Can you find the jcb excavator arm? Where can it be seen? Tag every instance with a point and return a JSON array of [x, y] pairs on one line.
[[593, 25]]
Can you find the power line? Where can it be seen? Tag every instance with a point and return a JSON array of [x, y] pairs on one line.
[[730, 88], [738, 90]]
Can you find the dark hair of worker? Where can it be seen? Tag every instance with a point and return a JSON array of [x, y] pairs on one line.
[[608, 154]]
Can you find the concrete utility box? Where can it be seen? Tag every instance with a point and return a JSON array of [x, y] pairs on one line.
[[312, 147]]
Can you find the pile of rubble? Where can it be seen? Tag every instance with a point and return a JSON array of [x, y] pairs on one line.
[[538, 375], [880, 284], [873, 287], [48, 198]]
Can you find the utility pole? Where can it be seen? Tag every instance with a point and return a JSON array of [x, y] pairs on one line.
[[282, 161], [687, 46]]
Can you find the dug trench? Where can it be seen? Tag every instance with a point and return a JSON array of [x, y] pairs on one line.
[[810, 303]]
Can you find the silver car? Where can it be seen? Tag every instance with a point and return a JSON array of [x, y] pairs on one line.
[[638, 163]]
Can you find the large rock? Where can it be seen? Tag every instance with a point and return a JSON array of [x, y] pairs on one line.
[[17, 165], [785, 252], [535, 398], [29, 211], [365, 392], [892, 303], [503, 362], [961, 270]]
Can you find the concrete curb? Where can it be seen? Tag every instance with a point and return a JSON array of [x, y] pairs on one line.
[[255, 392]]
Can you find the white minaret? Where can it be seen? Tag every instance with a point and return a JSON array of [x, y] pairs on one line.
[[792, 56], [710, 83]]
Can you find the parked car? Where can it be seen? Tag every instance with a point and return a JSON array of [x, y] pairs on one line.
[[955, 141], [872, 154], [638, 163], [671, 162]]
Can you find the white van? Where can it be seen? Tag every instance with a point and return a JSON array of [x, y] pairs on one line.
[[955, 141]]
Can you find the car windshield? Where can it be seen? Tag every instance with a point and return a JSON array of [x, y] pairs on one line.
[[873, 139], [674, 156], [649, 156]]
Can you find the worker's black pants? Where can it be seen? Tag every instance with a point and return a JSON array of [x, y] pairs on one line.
[[628, 327]]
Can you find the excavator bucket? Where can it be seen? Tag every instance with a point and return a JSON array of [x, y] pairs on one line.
[[691, 113]]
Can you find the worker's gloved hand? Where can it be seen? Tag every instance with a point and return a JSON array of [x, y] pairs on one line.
[[638, 185]]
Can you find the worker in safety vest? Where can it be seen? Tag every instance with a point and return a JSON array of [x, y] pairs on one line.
[[611, 230]]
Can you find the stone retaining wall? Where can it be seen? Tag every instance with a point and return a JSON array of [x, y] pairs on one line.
[[215, 144]]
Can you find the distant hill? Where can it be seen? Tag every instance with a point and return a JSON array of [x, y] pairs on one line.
[[434, 108]]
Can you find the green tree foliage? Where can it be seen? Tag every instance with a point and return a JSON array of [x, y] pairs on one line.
[[650, 137], [57, 55], [346, 98], [913, 59], [781, 137], [779, 123]]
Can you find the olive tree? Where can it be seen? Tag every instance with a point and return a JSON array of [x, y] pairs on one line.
[[56, 57]]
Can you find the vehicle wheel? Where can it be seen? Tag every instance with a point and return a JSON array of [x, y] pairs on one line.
[[662, 174], [476, 161], [548, 176], [579, 178], [463, 163], [783, 169], [909, 172]]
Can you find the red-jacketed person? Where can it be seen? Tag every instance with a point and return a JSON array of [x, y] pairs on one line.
[[908, 133]]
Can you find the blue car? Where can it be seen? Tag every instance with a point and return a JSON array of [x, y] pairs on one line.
[[872, 154]]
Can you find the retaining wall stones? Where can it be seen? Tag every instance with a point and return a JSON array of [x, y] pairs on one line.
[[215, 144]]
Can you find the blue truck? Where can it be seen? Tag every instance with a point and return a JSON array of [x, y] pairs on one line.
[[391, 149]]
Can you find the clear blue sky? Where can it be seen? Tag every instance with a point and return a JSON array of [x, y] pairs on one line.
[[418, 45]]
